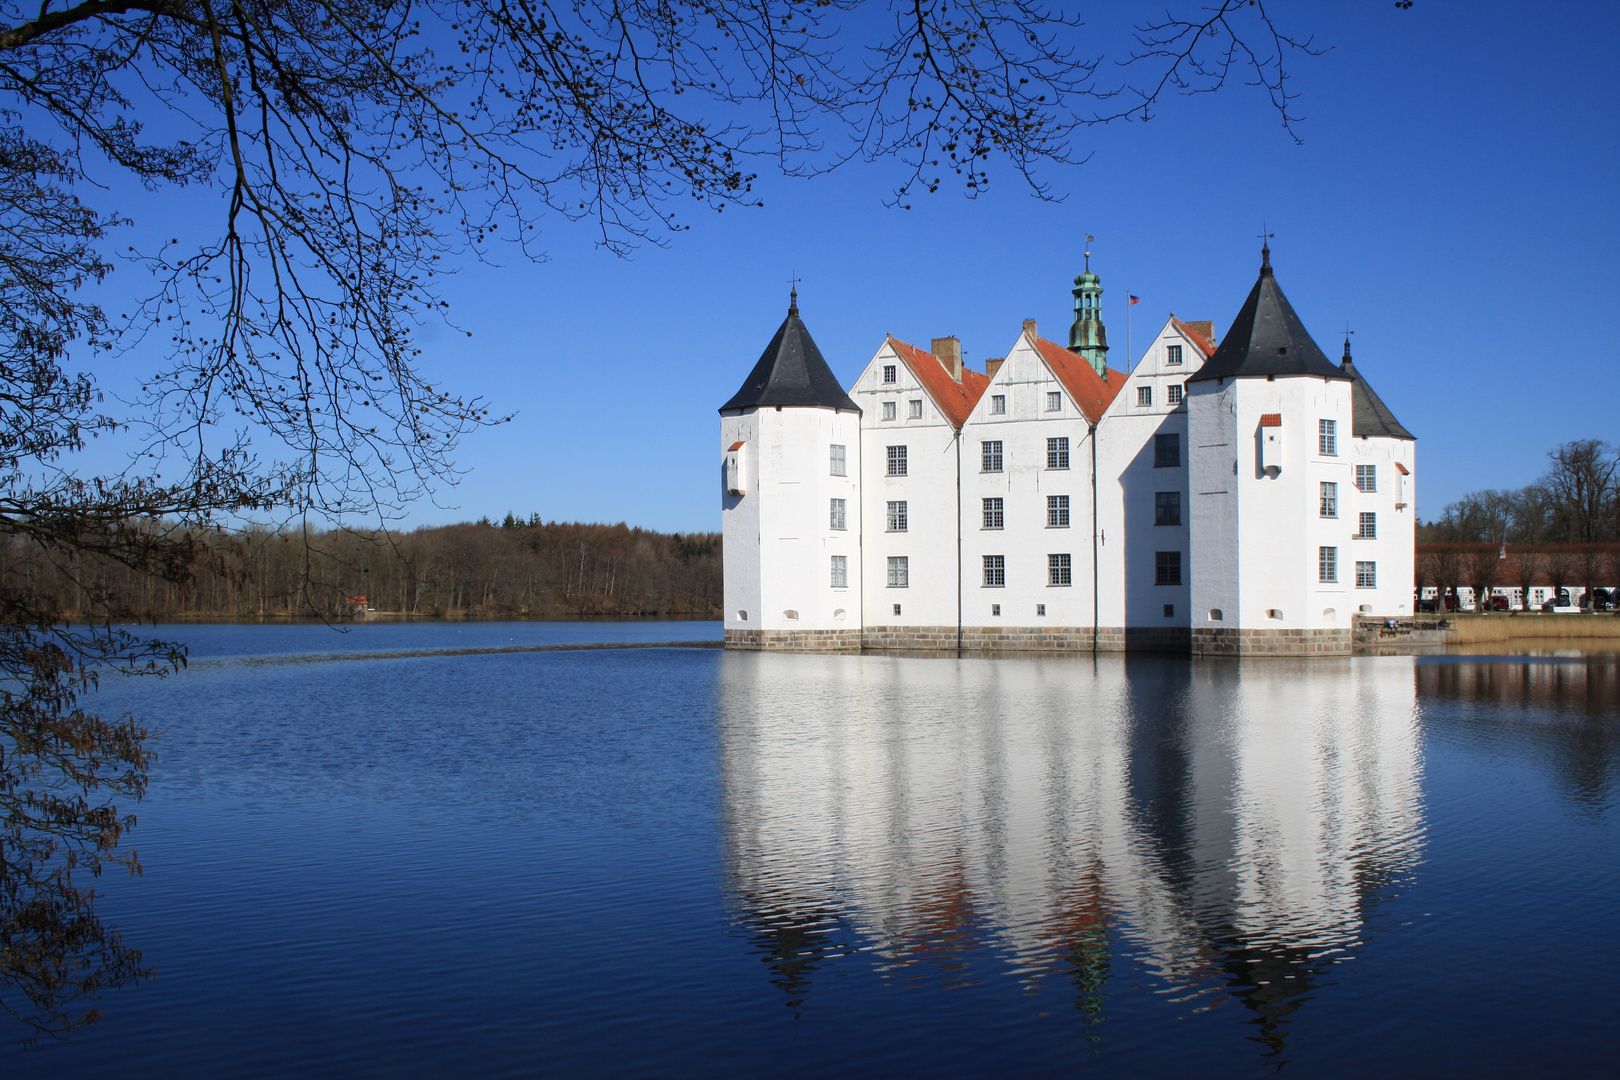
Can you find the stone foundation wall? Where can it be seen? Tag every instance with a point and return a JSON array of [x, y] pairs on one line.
[[1215, 641], [803, 640]]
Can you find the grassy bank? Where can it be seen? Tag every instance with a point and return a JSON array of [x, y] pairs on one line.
[[1478, 629]]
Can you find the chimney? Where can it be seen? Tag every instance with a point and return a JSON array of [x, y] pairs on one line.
[[993, 366], [949, 351], [1206, 329], [1029, 328]]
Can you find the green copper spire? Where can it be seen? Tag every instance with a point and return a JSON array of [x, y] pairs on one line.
[[1088, 337]]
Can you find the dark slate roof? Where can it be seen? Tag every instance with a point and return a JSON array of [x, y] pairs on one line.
[[1368, 413], [1267, 338], [791, 372]]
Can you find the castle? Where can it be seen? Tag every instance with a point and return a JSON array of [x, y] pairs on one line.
[[1250, 497]]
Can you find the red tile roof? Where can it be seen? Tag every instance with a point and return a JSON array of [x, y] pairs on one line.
[[1081, 380], [1204, 344], [954, 399]]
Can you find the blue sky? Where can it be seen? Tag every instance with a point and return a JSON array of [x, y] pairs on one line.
[[1454, 201]]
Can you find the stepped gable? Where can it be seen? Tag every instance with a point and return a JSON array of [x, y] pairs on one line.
[[1267, 338], [1080, 379], [1200, 336], [1368, 413], [954, 399], [791, 372]]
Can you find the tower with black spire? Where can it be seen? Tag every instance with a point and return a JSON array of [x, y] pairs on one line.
[[1087, 335], [790, 504]]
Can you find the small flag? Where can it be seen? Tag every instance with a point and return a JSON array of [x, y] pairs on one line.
[[1134, 299]]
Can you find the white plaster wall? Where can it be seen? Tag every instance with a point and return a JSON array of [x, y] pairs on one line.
[[1394, 502], [739, 525], [1212, 483]]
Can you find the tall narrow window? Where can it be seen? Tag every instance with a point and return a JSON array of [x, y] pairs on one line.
[[1172, 394], [990, 455], [888, 373], [993, 518], [1167, 451], [1367, 477], [1172, 354], [1058, 570], [1057, 453], [998, 404], [840, 571], [1369, 527], [1327, 564], [1144, 396], [1366, 575], [1167, 508], [914, 409], [837, 514], [1057, 511], [897, 516], [995, 571], [836, 465], [1167, 568], [1327, 438], [897, 461], [1330, 499], [1054, 401], [899, 572]]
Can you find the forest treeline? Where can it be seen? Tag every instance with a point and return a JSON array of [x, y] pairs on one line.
[[519, 568], [1576, 501]]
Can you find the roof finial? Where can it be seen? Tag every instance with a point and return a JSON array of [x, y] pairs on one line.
[[1265, 248], [1347, 333], [793, 295], [1089, 239]]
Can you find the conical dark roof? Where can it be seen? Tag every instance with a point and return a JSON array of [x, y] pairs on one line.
[[1267, 338], [1368, 413], [791, 372]]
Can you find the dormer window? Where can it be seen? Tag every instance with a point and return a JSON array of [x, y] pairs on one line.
[[1172, 354], [888, 373]]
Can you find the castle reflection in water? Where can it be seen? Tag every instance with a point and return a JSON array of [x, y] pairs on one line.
[[1220, 827]]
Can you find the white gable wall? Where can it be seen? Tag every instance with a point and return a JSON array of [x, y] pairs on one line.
[[1393, 552]]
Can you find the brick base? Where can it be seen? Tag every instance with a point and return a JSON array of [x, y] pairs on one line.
[[802, 640], [1215, 641]]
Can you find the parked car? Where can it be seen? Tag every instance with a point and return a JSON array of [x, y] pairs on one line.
[[1427, 607], [1600, 600], [1499, 603], [1562, 605]]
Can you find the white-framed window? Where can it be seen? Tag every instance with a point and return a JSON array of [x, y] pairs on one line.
[[1040, 610], [1327, 565], [1330, 499], [914, 409], [1369, 527], [1054, 401], [1167, 451], [1366, 575], [888, 410], [995, 610], [1167, 568], [888, 373], [897, 516], [1172, 394], [990, 456], [998, 404], [897, 461], [836, 461], [1172, 354], [995, 571], [1327, 438], [1366, 477], [840, 571], [1057, 511], [899, 574], [837, 515], [1059, 571], [1167, 508], [1144, 396], [993, 516], [1057, 453]]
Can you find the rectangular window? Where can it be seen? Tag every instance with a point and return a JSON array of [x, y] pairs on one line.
[[840, 571], [1058, 570], [1172, 394], [1167, 508], [1167, 568], [995, 571], [914, 409], [1327, 564], [1327, 438], [1057, 453], [888, 410], [1369, 527], [888, 373], [1330, 499], [1144, 396], [897, 609], [1167, 451], [993, 518], [990, 456], [1172, 354], [897, 516], [838, 514], [897, 461], [1057, 511], [1054, 401], [899, 573], [836, 464], [1366, 575], [998, 404], [1040, 610], [1367, 477], [1169, 611], [995, 609]]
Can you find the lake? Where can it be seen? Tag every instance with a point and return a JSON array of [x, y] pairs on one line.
[[395, 851]]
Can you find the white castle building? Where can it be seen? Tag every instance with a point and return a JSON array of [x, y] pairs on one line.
[[1253, 497]]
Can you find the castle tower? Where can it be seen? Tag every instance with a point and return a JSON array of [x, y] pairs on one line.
[[1088, 336], [790, 442]]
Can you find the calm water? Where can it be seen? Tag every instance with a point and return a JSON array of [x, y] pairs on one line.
[[679, 862]]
